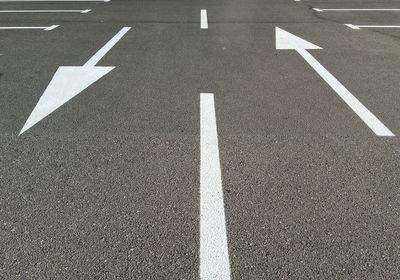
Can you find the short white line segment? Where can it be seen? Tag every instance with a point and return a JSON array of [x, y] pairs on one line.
[[355, 10], [288, 41], [203, 19], [214, 256], [45, 28], [358, 27], [46, 11], [69, 81]]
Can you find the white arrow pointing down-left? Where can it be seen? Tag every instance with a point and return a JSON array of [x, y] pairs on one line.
[[69, 81]]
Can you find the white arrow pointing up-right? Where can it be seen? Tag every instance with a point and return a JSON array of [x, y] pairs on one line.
[[288, 41]]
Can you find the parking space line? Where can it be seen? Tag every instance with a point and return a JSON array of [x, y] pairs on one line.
[[46, 11], [349, 10], [45, 28], [357, 27], [288, 41], [203, 19], [214, 256]]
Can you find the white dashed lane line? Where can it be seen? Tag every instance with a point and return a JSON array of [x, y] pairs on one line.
[[203, 19], [214, 256]]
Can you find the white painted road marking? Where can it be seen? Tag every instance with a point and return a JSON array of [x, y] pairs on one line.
[[357, 27], [55, 1], [107, 47], [51, 27], [45, 28], [288, 41], [352, 26], [214, 256], [46, 11], [69, 81], [203, 19], [350, 10]]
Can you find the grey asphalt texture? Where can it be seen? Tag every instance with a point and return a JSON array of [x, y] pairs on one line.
[[107, 186]]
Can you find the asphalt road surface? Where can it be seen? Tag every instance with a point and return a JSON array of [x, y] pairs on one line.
[[233, 139]]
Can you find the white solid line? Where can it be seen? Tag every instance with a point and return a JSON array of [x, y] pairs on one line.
[[204, 20], [55, 1], [373, 122], [214, 257], [46, 11], [371, 26], [97, 56], [346, 10], [46, 28]]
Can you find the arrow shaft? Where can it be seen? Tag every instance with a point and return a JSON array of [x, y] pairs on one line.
[[46, 28], [44, 11], [107, 47], [369, 119], [371, 26], [350, 10]]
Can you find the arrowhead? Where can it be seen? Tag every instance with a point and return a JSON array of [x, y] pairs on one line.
[[67, 82], [288, 41]]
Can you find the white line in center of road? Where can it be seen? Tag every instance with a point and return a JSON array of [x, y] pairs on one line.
[[203, 19], [46, 11], [214, 256]]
